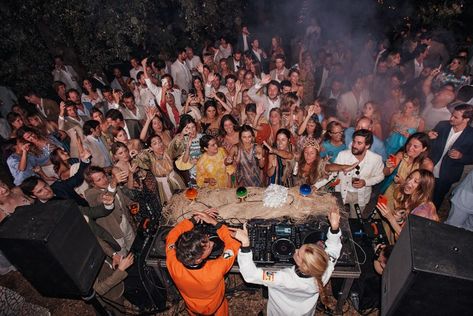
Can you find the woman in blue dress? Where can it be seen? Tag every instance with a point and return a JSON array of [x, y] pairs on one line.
[[333, 141], [403, 124]]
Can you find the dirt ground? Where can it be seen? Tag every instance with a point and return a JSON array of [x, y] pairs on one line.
[[242, 300]]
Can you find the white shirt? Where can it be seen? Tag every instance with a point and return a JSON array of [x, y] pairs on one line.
[[371, 170], [418, 67], [268, 103], [245, 43], [323, 79], [433, 115], [452, 138], [194, 62], [134, 72], [290, 294]]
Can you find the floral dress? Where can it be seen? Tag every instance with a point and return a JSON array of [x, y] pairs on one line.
[[212, 167]]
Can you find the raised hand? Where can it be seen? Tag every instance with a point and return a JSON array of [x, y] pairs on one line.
[[238, 85], [241, 235], [151, 112], [260, 108], [211, 77], [266, 79], [334, 218], [144, 62], [433, 135]]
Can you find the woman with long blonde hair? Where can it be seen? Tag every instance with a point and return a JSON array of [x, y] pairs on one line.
[[295, 290], [414, 196]]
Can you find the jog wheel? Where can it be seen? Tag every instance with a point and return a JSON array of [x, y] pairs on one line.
[[316, 237], [217, 249], [283, 249]]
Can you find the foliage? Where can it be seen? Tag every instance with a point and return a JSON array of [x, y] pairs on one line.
[[92, 34]]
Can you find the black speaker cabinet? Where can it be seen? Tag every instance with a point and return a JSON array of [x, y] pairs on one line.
[[430, 271], [53, 247]]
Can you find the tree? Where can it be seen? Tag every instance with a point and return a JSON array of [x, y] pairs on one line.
[[93, 34]]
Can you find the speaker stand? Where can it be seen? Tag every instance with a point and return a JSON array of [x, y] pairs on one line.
[[92, 300]]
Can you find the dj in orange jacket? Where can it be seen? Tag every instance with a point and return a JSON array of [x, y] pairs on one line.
[[200, 282]]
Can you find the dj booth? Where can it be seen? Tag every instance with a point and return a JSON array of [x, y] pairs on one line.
[[274, 233]]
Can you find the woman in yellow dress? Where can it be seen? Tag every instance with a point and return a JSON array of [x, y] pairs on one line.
[[211, 166]]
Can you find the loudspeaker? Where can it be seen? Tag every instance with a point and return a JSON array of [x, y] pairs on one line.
[[144, 287], [52, 245], [430, 271]]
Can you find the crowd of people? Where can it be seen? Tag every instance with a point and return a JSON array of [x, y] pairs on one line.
[[391, 118]]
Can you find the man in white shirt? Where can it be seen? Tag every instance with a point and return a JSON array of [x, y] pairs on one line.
[[66, 74], [143, 95], [351, 102], [451, 149], [110, 102], [280, 73], [271, 99], [131, 110], [355, 186], [436, 109], [120, 81], [213, 85], [180, 72], [136, 67], [192, 60]]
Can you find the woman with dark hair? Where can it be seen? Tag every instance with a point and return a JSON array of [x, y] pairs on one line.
[[309, 129], [252, 115], [228, 132], [334, 141], [248, 158], [157, 161], [198, 93], [49, 128], [134, 145], [184, 148], [64, 167], [97, 115], [211, 166], [15, 121], [281, 159], [42, 147], [211, 118], [296, 87], [91, 94], [414, 196], [312, 169], [157, 127]]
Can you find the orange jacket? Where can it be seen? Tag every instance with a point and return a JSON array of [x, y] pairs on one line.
[[203, 289]]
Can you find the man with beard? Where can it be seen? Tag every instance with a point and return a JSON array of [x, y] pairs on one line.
[[82, 109], [355, 186]]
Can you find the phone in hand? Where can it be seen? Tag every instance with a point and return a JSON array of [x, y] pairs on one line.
[[382, 199]]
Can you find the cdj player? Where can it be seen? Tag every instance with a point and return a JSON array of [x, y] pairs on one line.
[[274, 242]]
